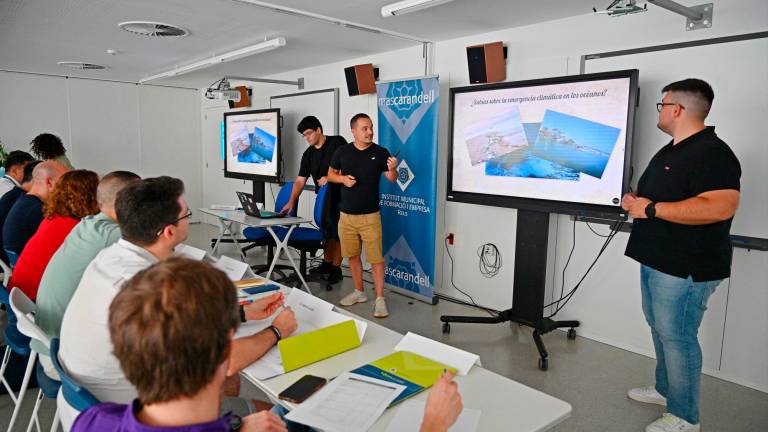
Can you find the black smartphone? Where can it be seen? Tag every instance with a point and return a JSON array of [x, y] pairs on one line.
[[302, 389]]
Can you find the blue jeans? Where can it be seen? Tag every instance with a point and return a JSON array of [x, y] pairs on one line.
[[674, 308]]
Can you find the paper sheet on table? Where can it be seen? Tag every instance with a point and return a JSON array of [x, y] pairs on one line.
[[234, 269], [350, 403], [409, 414], [439, 352], [190, 252], [311, 313]]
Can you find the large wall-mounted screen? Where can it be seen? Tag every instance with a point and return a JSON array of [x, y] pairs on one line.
[[561, 145]]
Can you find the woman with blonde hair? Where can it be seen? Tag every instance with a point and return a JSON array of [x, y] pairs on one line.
[[73, 198]]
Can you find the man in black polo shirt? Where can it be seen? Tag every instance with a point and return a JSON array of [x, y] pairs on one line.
[[682, 212], [315, 162], [358, 167]]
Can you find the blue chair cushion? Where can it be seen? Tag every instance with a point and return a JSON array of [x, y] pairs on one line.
[[17, 341], [48, 385], [256, 234], [305, 235], [261, 234]]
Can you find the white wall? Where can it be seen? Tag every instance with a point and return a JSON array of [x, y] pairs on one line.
[[608, 303], [107, 126]]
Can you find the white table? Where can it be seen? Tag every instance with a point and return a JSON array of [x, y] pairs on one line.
[[506, 405], [229, 218]]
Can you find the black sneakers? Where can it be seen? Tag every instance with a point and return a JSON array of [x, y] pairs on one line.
[[322, 269], [335, 276]]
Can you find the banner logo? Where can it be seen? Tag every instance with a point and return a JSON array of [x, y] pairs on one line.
[[404, 175]]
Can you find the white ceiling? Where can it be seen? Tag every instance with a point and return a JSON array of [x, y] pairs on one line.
[[34, 35]]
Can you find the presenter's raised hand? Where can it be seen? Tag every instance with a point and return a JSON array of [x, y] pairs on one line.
[[391, 163], [286, 322], [349, 181], [264, 307], [264, 421], [443, 405]]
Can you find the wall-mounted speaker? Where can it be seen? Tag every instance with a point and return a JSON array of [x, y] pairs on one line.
[[361, 79], [245, 98], [486, 63]]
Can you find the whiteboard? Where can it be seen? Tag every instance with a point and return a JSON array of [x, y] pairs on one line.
[[323, 104], [738, 73]]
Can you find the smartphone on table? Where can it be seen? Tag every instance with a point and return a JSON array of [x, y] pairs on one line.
[[302, 389]]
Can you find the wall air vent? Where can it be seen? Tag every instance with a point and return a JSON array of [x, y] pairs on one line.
[[152, 29]]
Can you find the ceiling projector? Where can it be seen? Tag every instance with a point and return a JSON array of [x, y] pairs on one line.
[[223, 92]]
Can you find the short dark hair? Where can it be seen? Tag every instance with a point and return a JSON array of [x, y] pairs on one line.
[[145, 207], [170, 327], [47, 146], [309, 122], [356, 118], [696, 88], [28, 169], [17, 157]]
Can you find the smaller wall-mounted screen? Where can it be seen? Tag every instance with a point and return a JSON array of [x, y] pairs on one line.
[[252, 145]]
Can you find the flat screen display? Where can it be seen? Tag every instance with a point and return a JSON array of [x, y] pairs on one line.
[[558, 144], [252, 145]]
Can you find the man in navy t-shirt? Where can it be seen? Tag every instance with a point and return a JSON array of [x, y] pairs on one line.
[[27, 213], [358, 169]]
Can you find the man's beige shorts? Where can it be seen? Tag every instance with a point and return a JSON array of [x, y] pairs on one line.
[[356, 231]]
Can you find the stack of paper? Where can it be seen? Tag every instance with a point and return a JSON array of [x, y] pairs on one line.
[[350, 403]]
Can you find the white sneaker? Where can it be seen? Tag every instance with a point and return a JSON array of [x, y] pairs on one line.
[[380, 308], [647, 395], [354, 297], [671, 423]]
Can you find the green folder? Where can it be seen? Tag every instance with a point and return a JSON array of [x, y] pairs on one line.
[[411, 370], [307, 348]]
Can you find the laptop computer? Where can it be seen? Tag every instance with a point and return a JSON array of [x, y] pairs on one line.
[[251, 209]]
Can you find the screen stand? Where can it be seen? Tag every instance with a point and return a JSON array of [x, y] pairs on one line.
[[258, 192], [529, 285]]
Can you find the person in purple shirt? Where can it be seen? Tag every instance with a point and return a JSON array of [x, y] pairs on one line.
[[171, 327], [179, 365]]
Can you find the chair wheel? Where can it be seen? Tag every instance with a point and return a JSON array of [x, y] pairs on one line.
[[571, 335], [446, 328], [543, 364]]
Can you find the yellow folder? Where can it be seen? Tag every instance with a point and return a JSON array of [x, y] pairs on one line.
[[307, 348]]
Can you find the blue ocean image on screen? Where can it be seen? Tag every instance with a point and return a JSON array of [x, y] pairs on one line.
[[560, 148], [262, 148], [582, 145], [523, 164]]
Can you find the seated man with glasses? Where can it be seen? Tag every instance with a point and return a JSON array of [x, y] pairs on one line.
[[154, 218]]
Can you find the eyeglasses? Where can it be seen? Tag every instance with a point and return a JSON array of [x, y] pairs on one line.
[[189, 214], [661, 105]]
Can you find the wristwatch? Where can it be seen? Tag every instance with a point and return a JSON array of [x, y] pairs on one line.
[[235, 423], [650, 210], [277, 333]]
